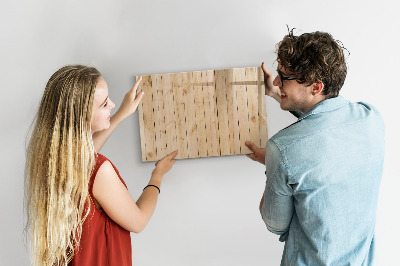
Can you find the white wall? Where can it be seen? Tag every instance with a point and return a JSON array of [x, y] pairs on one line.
[[208, 208]]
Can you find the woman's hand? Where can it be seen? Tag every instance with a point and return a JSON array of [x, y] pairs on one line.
[[131, 101], [165, 164], [128, 107], [270, 89]]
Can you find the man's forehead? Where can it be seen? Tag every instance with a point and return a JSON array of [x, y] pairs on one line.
[[283, 70]]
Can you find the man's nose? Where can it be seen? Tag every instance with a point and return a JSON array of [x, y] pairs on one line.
[[277, 81]]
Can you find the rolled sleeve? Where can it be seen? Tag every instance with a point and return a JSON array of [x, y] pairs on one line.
[[277, 209]]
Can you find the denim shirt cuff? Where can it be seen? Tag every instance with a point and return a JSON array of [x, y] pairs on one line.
[[284, 236]]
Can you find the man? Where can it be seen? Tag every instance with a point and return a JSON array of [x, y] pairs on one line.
[[323, 171]]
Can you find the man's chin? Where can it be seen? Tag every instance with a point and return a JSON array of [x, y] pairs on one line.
[[285, 108]]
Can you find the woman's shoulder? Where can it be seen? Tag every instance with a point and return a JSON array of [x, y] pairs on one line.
[[100, 158], [102, 164], [106, 168], [99, 161]]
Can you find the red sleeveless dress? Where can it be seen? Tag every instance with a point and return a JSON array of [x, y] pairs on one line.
[[103, 241]]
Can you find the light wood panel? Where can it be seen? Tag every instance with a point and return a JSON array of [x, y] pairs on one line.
[[202, 113]]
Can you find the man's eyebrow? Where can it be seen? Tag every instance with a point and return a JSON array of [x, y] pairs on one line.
[[283, 74]]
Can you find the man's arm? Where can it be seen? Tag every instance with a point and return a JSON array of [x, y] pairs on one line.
[[276, 206], [276, 211]]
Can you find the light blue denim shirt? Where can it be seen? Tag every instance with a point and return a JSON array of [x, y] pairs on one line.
[[323, 176]]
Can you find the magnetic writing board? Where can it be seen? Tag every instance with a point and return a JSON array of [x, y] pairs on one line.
[[202, 113]]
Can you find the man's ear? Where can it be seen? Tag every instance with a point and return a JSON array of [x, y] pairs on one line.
[[317, 88]]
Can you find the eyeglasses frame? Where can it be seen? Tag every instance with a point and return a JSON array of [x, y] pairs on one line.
[[282, 78]]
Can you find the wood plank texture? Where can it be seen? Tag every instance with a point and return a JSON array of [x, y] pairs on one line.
[[203, 113]]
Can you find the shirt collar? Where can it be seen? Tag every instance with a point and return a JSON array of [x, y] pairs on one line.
[[325, 106]]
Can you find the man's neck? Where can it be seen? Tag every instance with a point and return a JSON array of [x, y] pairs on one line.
[[316, 100]]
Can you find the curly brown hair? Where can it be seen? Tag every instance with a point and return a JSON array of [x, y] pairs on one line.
[[314, 57]]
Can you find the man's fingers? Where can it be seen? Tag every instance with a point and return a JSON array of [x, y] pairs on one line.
[[251, 146], [265, 69], [251, 156]]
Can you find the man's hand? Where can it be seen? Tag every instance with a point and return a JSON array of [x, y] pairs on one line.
[[270, 89], [259, 153]]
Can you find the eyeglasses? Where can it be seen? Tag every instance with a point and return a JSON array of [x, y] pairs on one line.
[[282, 78]]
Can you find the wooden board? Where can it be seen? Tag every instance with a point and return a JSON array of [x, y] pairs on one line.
[[202, 113]]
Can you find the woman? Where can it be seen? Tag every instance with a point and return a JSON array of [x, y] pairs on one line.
[[78, 207]]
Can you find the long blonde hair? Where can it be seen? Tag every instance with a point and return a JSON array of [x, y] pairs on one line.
[[59, 161]]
